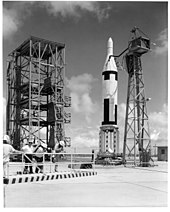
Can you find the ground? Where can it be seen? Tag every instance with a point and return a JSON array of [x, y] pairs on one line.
[[112, 186]]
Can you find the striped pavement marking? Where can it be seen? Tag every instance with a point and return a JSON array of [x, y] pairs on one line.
[[29, 178]]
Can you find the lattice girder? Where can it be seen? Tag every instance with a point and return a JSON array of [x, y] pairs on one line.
[[136, 135], [35, 76]]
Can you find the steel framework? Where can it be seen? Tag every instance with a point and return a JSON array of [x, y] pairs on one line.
[[36, 100], [137, 142]]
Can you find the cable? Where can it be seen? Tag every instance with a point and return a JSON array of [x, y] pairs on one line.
[[119, 54]]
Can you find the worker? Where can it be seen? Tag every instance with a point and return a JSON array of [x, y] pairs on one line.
[[40, 149], [92, 156], [28, 150], [48, 156], [7, 149], [59, 147]]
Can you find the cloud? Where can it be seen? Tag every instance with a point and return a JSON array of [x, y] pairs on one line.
[[84, 137], [81, 83], [85, 141], [162, 41], [77, 8], [159, 124], [10, 22], [154, 135], [121, 124], [80, 88], [14, 14]]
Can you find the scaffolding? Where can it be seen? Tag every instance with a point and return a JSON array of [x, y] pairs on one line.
[[36, 93], [137, 142]]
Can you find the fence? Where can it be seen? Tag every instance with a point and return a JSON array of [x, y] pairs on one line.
[[48, 162]]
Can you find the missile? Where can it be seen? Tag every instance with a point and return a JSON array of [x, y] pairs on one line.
[[110, 87], [109, 131]]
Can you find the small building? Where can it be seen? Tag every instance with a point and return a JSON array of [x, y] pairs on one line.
[[162, 153]]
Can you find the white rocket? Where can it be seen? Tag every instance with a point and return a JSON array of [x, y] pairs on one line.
[[110, 87]]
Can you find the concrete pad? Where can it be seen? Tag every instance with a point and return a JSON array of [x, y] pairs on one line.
[[112, 186]]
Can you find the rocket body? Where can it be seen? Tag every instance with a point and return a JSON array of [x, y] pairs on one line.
[[109, 132], [110, 87]]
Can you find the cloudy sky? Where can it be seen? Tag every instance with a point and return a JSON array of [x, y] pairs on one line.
[[85, 28]]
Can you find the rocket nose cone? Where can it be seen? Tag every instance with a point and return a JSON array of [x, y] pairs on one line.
[[110, 46], [110, 43]]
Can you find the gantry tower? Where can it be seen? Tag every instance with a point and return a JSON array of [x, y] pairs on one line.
[[137, 141], [36, 93]]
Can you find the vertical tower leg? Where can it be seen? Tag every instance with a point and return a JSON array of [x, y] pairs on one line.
[[136, 136]]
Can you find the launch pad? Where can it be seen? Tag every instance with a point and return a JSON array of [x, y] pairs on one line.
[[133, 187]]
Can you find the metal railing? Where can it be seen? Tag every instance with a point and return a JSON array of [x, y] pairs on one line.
[[48, 162]]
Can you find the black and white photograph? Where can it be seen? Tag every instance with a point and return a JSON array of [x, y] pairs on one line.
[[84, 104]]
